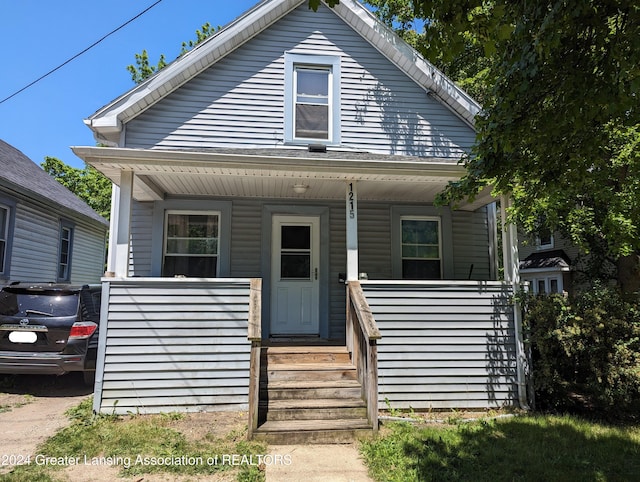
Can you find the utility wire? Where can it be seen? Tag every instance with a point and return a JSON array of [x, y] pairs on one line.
[[80, 53]]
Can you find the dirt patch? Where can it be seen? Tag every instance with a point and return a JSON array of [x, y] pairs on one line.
[[32, 409]]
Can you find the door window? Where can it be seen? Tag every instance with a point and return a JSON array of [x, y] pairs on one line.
[[295, 253]]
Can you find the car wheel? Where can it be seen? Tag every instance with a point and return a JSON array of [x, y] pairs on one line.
[[89, 378]]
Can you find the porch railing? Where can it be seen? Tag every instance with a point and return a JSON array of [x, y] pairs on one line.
[[255, 337], [362, 337]]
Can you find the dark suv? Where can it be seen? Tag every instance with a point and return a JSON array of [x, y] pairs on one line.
[[49, 329]]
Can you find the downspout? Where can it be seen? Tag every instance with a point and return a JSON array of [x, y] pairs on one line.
[[512, 276]]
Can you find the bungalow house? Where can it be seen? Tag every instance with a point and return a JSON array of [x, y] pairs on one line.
[[275, 245], [47, 233]]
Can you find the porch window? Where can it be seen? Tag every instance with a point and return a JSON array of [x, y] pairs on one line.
[[547, 284], [64, 255], [312, 101], [191, 245], [421, 248]]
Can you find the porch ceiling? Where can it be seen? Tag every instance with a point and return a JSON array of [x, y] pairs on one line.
[[162, 173]]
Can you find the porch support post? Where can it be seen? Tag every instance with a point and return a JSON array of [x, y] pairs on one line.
[[123, 232], [512, 276], [113, 223], [352, 231]]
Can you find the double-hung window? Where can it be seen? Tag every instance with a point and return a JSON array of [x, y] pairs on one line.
[[421, 249], [312, 99], [64, 255], [191, 246]]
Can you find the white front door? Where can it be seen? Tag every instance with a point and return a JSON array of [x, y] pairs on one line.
[[295, 287]]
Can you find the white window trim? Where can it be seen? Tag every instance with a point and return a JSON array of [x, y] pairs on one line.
[[5, 237], [65, 225], [425, 218], [546, 278], [446, 236], [330, 62], [549, 245], [194, 212]]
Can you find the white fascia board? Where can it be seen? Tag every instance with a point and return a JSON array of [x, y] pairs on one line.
[[183, 69], [130, 157], [408, 59]]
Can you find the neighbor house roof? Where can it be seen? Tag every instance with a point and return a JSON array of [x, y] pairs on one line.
[[21, 173], [547, 260], [107, 122]]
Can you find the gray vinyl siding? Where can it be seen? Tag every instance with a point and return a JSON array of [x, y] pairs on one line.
[[140, 259], [168, 345], [470, 240], [35, 244], [443, 345], [88, 256], [239, 101], [471, 245], [36, 241]]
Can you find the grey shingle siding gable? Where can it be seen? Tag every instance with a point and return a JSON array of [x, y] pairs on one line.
[[239, 101], [19, 172]]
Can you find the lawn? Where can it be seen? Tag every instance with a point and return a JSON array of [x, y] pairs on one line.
[[527, 448]]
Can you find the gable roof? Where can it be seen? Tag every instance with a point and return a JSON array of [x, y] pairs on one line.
[[107, 122], [18, 171]]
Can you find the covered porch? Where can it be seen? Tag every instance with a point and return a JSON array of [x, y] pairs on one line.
[[196, 343]]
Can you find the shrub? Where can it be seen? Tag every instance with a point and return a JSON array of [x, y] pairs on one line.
[[585, 349]]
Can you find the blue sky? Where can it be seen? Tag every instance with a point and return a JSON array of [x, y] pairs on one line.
[[38, 35]]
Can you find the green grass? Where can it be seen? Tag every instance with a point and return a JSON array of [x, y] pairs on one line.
[[522, 448], [133, 438]]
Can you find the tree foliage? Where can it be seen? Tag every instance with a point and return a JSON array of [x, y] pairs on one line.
[[88, 184], [560, 127], [143, 67]]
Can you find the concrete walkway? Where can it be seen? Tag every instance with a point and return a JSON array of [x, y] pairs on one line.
[[316, 463]]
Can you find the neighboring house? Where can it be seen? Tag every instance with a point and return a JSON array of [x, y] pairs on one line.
[[47, 233], [275, 192], [548, 263]]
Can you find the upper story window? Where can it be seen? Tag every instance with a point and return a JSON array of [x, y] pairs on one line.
[[191, 246], [544, 240], [421, 248], [64, 257], [312, 99]]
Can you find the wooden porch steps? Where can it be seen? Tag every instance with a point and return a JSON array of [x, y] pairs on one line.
[[310, 394]]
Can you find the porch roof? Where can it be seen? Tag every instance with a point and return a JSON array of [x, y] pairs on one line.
[[272, 173]]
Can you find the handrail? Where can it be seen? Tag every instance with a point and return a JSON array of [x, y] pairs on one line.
[[254, 334], [363, 312], [362, 336]]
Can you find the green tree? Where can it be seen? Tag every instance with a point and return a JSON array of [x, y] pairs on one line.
[[144, 69], [560, 129], [88, 184]]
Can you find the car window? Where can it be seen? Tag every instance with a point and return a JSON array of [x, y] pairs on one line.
[[33, 304]]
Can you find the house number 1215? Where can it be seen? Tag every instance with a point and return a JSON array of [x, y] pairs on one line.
[[351, 195]]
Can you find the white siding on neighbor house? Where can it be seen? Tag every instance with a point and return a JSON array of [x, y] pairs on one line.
[[36, 240], [168, 345], [34, 256], [239, 101], [444, 345]]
